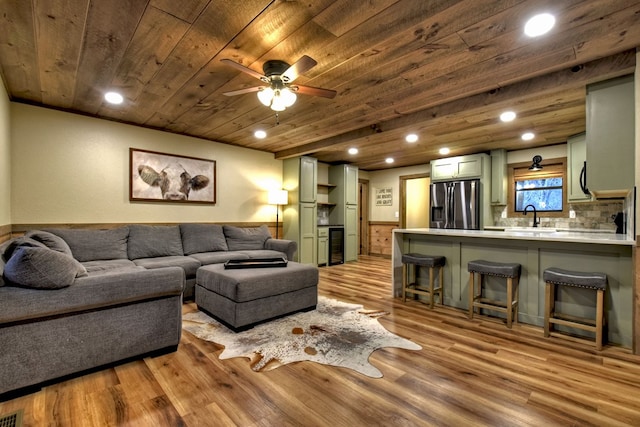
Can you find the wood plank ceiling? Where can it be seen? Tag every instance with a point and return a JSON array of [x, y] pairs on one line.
[[443, 69]]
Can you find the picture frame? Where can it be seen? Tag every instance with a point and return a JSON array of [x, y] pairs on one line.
[[170, 178]]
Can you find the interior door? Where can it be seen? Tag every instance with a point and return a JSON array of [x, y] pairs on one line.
[[418, 203]]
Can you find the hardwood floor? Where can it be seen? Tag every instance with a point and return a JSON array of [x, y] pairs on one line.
[[468, 373]]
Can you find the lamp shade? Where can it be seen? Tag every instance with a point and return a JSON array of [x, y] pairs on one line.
[[278, 197]]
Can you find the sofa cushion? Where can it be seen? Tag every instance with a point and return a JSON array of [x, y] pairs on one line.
[[90, 245], [89, 293], [248, 238], [188, 264], [50, 240], [198, 238], [42, 268], [102, 266], [149, 241], [207, 258]]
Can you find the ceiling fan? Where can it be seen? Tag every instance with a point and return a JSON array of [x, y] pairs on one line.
[[278, 75]]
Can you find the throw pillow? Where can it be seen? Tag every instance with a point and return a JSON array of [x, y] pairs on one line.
[[93, 245], [247, 238], [41, 268], [199, 238], [50, 240], [150, 241], [19, 242]]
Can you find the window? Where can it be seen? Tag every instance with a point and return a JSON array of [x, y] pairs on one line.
[[545, 189]]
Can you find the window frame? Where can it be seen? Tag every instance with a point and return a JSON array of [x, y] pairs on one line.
[[520, 170]]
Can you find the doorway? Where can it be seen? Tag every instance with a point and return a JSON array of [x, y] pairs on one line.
[[414, 201], [363, 216]]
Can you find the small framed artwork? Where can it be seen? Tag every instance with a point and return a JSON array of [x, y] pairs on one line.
[[162, 177], [384, 196]]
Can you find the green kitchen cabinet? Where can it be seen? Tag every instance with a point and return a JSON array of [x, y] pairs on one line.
[[323, 245], [576, 168], [461, 167], [611, 137], [345, 212], [499, 177], [300, 217]]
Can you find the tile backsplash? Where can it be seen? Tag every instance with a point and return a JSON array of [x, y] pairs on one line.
[[590, 215]]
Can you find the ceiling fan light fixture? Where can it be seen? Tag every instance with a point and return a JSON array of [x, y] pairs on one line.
[[288, 97], [277, 99], [278, 103], [265, 95]]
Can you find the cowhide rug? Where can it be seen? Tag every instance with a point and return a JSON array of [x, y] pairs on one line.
[[336, 333]]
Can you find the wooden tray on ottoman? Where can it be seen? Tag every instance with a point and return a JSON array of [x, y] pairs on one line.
[[255, 263]]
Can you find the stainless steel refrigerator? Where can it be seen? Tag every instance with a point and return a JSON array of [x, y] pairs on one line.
[[455, 204]]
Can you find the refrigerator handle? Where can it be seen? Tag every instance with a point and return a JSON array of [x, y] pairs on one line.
[[448, 214]]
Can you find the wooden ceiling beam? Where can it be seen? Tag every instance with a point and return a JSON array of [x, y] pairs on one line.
[[590, 72]]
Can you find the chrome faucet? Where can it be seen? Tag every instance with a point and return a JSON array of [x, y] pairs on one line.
[[536, 221]]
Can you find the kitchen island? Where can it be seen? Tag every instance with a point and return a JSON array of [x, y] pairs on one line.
[[535, 250]]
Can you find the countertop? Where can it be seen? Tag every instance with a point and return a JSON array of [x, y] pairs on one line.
[[603, 238]]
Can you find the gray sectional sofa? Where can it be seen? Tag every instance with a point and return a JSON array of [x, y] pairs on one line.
[[76, 299]]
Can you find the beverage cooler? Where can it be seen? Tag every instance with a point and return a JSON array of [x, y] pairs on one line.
[[336, 245]]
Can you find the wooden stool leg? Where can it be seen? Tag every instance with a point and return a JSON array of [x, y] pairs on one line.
[[431, 287], [509, 301], [441, 284], [599, 318], [405, 281], [549, 302], [516, 299], [472, 292]]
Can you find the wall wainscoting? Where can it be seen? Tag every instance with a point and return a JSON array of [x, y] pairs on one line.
[[381, 237]]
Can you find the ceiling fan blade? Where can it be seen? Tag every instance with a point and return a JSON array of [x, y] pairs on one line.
[[301, 66], [245, 69], [243, 91], [315, 91]]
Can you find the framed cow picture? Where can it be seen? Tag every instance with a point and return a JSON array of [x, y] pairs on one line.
[[161, 177]]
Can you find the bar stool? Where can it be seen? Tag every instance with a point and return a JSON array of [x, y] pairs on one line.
[[596, 281], [410, 285], [510, 271]]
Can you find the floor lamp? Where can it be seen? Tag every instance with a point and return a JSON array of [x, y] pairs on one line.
[[278, 197]]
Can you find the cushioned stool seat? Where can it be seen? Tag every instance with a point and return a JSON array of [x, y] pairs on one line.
[[411, 286], [556, 276], [510, 271]]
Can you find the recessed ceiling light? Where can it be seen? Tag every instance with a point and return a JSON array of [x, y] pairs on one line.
[[113, 98], [528, 136], [389, 160], [412, 137], [539, 24], [260, 134], [353, 150], [444, 150], [508, 116]]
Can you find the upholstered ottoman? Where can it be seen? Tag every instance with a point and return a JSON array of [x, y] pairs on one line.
[[241, 298]]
